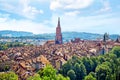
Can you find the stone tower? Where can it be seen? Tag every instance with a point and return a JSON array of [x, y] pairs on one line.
[[58, 38]]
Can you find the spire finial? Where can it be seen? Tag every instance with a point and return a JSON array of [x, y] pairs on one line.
[[58, 18], [58, 21]]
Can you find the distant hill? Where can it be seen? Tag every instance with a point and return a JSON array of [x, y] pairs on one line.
[[9, 33], [51, 36], [82, 35], [71, 35]]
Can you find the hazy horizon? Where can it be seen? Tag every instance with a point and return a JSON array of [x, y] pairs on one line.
[[41, 16], [62, 32]]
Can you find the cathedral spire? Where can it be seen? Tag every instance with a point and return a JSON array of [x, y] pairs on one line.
[[58, 22], [58, 39]]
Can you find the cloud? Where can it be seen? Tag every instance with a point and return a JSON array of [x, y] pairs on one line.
[[7, 6], [26, 25], [94, 24], [42, 1], [4, 15], [40, 16], [3, 19], [29, 11], [106, 6], [70, 4], [21, 7], [72, 13]]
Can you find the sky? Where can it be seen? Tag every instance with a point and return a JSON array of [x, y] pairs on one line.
[[41, 16]]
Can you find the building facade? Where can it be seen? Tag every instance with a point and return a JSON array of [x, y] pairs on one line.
[[58, 37]]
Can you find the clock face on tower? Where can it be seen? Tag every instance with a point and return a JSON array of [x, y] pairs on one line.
[[58, 39]]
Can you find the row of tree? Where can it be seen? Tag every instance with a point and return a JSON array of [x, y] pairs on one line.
[[48, 73], [4, 46], [103, 67], [8, 76]]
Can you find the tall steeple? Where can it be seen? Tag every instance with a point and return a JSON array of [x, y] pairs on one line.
[[58, 39], [58, 22]]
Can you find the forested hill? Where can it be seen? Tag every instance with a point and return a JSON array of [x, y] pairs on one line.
[[9, 33], [48, 36]]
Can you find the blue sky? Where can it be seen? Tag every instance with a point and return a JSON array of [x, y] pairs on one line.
[[40, 16]]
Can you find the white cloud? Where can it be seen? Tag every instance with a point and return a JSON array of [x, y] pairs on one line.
[[106, 6], [29, 11], [21, 7], [72, 13], [93, 24], [70, 4], [26, 25], [4, 15], [3, 19], [42, 1], [7, 6], [74, 16]]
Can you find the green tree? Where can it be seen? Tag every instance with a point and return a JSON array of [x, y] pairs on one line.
[[90, 77], [88, 64], [101, 59], [65, 68], [116, 50], [35, 77], [111, 60], [95, 62], [49, 73], [93, 74], [102, 72], [60, 77], [117, 69], [75, 59], [71, 74], [80, 71], [8, 76]]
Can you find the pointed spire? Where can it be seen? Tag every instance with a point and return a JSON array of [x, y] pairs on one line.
[[58, 22], [118, 39], [58, 39]]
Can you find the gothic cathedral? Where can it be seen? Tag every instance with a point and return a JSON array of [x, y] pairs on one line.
[[58, 38]]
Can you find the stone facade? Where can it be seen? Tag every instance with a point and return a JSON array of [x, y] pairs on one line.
[[58, 39]]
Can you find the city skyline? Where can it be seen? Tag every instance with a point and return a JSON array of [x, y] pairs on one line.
[[40, 16]]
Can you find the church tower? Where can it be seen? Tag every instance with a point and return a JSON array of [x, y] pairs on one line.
[[58, 38]]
